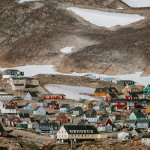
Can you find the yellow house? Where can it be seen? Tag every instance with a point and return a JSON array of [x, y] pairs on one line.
[[102, 91], [78, 132], [88, 104], [131, 88], [148, 109]]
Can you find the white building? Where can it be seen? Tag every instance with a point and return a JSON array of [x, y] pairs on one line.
[[9, 110], [123, 136], [1, 105]]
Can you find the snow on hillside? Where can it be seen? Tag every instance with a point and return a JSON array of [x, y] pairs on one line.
[[21, 1], [33, 70], [137, 3], [66, 49], [105, 19], [71, 92]]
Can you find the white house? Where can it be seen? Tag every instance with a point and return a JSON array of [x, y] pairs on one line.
[[123, 136], [9, 110], [1, 105], [91, 76]]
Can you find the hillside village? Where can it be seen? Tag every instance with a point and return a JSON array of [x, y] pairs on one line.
[[117, 113]]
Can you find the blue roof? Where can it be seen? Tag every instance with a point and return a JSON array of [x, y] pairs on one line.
[[108, 79]]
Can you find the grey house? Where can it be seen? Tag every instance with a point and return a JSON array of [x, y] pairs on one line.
[[143, 123], [12, 73], [31, 96], [6, 96], [78, 111], [136, 132], [83, 122], [42, 102], [54, 129], [80, 103], [130, 123], [24, 117], [146, 140], [135, 110]]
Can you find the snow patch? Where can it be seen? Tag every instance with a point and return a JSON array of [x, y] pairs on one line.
[[119, 8], [66, 50], [21, 1], [33, 70], [105, 19], [137, 3], [71, 92]]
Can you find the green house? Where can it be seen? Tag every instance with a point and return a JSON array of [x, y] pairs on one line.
[[42, 119], [22, 125], [125, 82], [147, 89], [137, 116]]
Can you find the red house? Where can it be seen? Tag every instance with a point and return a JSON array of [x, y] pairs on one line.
[[104, 122], [13, 121], [53, 105], [110, 96], [62, 118], [131, 95], [2, 131], [13, 103], [53, 96]]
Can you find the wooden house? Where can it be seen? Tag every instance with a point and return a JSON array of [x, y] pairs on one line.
[[148, 109], [22, 125], [54, 129], [13, 121], [131, 95], [99, 106], [78, 111], [39, 111], [130, 123], [143, 123], [137, 116], [31, 96], [42, 119], [110, 96], [88, 104], [83, 122], [136, 132], [18, 87], [62, 118], [17, 80], [65, 108], [109, 127], [3, 118], [6, 96], [90, 117], [80, 103], [8, 73], [102, 91], [71, 132], [53, 96], [135, 110], [147, 89], [146, 140], [53, 105], [28, 106], [9, 110], [24, 117], [1, 105], [115, 117], [2, 131], [125, 82], [91, 76], [13, 103], [110, 108], [42, 103], [122, 136], [131, 88], [104, 122]]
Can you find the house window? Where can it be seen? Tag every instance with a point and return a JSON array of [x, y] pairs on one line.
[[64, 135], [92, 135], [72, 135], [62, 131], [78, 135], [89, 135]]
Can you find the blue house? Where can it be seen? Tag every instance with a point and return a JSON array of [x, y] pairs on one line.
[[99, 106], [31, 96], [143, 123], [28, 106], [45, 127], [65, 108], [39, 111], [90, 117], [130, 123]]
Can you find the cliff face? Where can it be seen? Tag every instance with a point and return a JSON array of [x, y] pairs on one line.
[[35, 32]]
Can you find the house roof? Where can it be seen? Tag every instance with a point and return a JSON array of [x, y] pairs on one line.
[[13, 118], [80, 128], [133, 86], [19, 78], [139, 114], [130, 100], [137, 130], [24, 115], [143, 121], [112, 95], [77, 108], [98, 104], [53, 103], [90, 111], [91, 115], [146, 136], [22, 111], [36, 108], [87, 102], [99, 90], [26, 104], [3, 116], [82, 122], [48, 124], [135, 110], [129, 121], [104, 120], [11, 101], [81, 101], [10, 107], [60, 115], [18, 84], [133, 94], [33, 94], [113, 125], [53, 95], [1, 128], [64, 105], [41, 100], [40, 118]]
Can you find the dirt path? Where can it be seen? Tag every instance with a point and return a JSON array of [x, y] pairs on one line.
[[27, 133]]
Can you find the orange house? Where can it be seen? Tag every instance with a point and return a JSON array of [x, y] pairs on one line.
[[88, 104], [148, 109], [102, 91], [131, 88]]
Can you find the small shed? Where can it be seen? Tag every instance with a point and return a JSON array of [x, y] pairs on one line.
[[146, 140], [23, 125], [53, 105], [78, 111], [31, 96]]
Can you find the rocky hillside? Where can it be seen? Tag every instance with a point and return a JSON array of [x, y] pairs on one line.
[[35, 32]]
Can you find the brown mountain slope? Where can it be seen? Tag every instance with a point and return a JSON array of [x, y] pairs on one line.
[[34, 33]]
